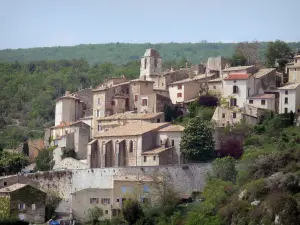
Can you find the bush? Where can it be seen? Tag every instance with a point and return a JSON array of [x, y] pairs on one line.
[[132, 211], [208, 101], [231, 147], [224, 169], [69, 153]]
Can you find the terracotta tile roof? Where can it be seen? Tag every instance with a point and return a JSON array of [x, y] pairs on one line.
[[131, 116], [237, 68], [172, 128], [141, 80], [132, 129], [156, 151], [12, 188], [237, 76], [63, 124], [195, 78], [289, 86], [262, 96], [263, 72]]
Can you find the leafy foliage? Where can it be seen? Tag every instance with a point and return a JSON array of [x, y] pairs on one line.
[[69, 153], [11, 163], [4, 208], [132, 211], [52, 202], [224, 169], [197, 141], [95, 214], [277, 50], [44, 160]]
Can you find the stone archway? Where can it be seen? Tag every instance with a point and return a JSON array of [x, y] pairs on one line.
[[122, 160], [109, 154]]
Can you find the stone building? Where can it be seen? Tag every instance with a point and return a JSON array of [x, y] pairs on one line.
[[110, 199], [136, 144], [24, 201], [293, 70]]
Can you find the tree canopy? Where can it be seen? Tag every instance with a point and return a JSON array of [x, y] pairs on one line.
[[279, 51], [197, 142]]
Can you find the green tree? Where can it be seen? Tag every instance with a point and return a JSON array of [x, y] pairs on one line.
[[224, 169], [197, 141], [95, 214], [238, 59], [278, 50], [68, 153], [132, 211], [52, 202], [44, 160]]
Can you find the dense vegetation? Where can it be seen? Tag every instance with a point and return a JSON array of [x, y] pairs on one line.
[[121, 53]]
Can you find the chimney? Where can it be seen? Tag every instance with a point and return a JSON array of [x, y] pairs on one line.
[[67, 93], [186, 64]]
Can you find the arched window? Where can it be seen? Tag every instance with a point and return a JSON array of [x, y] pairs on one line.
[[145, 63], [173, 142], [155, 62], [235, 89], [130, 146]]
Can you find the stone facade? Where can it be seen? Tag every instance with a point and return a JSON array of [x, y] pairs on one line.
[[26, 202]]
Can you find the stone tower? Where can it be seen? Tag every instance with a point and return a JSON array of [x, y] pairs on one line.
[[151, 64]]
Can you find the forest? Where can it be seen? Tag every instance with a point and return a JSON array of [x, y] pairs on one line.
[[122, 53]]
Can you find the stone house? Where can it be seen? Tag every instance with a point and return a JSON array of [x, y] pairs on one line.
[[215, 86], [263, 101], [70, 136], [289, 99], [293, 70], [130, 144], [187, 89], [25, 202], [110, 199]]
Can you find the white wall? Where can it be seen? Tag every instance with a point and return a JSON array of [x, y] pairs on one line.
[[241, 96], [270, 103], [291, 106], [173, 90], [150, 68]]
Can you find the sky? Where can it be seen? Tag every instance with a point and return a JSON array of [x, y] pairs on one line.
[[46, 23]]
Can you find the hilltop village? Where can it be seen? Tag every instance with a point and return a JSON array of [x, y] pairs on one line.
[[120, 138]]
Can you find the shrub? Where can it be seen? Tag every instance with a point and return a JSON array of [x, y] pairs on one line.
[[224, 169], [231, 147], [132, 211], [208, 101]]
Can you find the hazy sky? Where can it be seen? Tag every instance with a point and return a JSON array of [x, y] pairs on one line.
[[37, 23]]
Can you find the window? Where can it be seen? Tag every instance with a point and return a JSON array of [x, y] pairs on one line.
[[130, 146], [158, 120], [118, 200], [146, 189], [145, 63], [144, 102], [112, 102], [162, 84], [136, 98], [250, 101], [263, 101], [99, 101], [123, 190], [285, 110], [98, 113], [105, 201], [223, 115], [173, 142], [286, 100], [21, 206], [179, 86], [94, 200], [154, 158], [155, 62], [214, 87], [160, 142], [179, 95], [286, 92], [33, 207], [233, 115], [99, 127], [145, 158], [233, 102], [106, 211], [5, 183], [235, 89]]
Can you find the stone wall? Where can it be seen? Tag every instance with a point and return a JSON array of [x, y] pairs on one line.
[[186, 178]]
